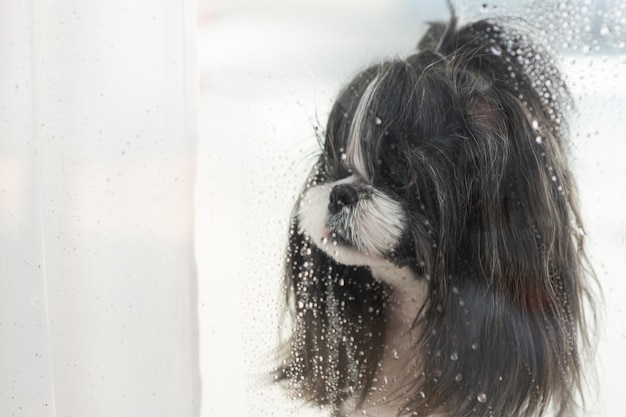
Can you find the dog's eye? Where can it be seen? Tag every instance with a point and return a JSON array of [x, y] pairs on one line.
[[395, 172], [398, 174], [392, 164]]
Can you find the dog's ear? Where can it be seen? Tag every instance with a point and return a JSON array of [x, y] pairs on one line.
[[512, 64], [501, 332], [484, 111], [337, 325], [503, 328]]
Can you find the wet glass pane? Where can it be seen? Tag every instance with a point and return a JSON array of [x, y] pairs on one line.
[[499, 172]]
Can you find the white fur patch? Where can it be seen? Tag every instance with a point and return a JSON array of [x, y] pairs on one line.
[[359, 131], [372, 227]]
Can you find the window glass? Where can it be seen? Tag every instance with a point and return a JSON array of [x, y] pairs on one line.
[[270, 72]]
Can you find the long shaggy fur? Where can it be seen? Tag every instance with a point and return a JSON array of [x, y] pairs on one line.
[[469, 135]]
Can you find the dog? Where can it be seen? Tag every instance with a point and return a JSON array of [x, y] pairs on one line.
[[436, 262]]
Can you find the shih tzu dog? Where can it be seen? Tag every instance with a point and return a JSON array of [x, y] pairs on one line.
[[435, 263]]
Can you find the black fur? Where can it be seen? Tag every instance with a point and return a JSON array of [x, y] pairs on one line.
[[472, 140]]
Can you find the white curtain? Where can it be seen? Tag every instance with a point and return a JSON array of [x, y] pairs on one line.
[[97, 145]]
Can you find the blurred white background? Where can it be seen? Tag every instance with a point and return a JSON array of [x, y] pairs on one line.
[[269, 71]]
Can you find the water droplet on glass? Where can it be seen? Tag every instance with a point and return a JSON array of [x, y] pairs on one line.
[[378, 121], [475, 346], [454, 356], [481, 397], [458, 377]]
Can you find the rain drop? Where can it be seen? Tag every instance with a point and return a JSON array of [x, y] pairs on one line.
[[495, 49], [481, 397], [378, 121], [535, 124], [458, 377], [538, 139], [454, 356]]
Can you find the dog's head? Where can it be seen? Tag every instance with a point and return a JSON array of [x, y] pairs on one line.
[[449, 163], [411, 145]]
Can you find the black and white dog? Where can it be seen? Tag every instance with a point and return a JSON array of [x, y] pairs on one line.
[[435, 262]]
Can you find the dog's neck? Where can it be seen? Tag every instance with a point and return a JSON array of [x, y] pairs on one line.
[[408, 293], [398, 365]]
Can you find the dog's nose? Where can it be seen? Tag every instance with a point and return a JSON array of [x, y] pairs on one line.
[[340, 196]]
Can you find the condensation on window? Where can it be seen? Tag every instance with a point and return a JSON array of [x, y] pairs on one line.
[[269, 74]]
